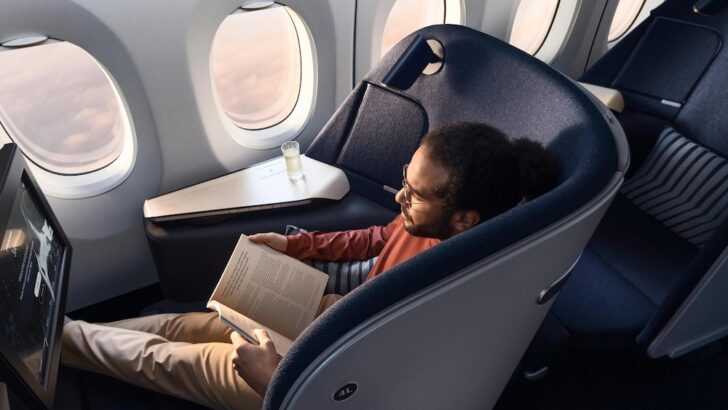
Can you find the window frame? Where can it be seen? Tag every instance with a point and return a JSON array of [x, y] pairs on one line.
[[629, 26], [92, 183], [548, 31], [453, 10], [642, 15], [452, 13], [558, 34], [294, 123]]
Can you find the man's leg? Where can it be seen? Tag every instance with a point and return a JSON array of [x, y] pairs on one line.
[[195, 327], [199, 372], [326, 302]]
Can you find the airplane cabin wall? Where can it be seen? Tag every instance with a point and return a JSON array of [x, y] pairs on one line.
[[158, 55], [491, 17], [590, 26]]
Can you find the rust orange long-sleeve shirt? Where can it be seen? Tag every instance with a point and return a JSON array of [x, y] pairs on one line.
[[392, 243]]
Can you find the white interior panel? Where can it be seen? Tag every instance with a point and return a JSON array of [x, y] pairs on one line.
[[158, 53]]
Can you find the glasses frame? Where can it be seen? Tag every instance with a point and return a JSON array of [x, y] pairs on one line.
[[407, 189]]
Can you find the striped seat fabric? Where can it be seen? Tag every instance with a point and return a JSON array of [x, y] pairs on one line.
[[343, 276], [683, 185]]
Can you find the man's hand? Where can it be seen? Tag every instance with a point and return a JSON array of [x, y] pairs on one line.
[[274, 240], [255, 363]]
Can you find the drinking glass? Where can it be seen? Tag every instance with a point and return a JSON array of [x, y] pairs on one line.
[[292, 155]]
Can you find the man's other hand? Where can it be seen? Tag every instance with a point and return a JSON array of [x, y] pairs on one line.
[[274, 240], [255, 363]]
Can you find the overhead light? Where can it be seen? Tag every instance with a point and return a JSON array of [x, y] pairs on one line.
[[256, 5], [24, 41]]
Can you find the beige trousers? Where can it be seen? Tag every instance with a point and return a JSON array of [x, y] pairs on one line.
[[185, 355]]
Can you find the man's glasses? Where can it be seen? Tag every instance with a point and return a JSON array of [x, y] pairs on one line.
[[407, 189]]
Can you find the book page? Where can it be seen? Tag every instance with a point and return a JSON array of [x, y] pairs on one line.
[[271, 288], [245, 326]]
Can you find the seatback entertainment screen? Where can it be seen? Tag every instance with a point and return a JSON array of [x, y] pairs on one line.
[[30, 260], [34, 262]]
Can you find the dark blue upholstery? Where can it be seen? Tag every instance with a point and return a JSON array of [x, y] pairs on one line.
[[635, 273], [385, 134], [484, 80], [665, 43], [631, 279], [645, 253], [630, 265], [599, 306], [686, 283]]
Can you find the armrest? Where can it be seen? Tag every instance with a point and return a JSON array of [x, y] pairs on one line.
[[261, 187], [608, 96]]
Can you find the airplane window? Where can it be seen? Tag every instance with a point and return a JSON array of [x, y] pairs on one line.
[[407, 16], [59, 105], [532, 24], [256, 67], [624, 17], [629, 14]]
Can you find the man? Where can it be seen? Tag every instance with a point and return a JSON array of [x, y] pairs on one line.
[[461, 175]]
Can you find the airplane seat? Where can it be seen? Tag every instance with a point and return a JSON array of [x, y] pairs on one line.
[[446, 328], [652, 273]]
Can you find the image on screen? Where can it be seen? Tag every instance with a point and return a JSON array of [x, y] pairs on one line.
[[31, 257]]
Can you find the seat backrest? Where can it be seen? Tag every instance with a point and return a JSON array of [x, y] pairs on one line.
[[446, 328]]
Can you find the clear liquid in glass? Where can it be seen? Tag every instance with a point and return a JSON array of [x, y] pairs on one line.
[[293, 164]]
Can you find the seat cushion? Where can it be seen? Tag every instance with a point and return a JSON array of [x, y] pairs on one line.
[[641, 249], [626, 271], [599, 307]]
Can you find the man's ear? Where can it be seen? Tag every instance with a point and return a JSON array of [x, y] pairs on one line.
[[464, 220]]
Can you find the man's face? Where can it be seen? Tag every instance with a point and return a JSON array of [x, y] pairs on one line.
[[425, 214]]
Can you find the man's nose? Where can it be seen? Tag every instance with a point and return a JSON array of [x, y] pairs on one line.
[[400, 197]]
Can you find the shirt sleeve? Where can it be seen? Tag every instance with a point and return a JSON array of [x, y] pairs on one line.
[[358, 244]]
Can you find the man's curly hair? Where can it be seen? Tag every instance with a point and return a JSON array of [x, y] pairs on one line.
[[489, 172]]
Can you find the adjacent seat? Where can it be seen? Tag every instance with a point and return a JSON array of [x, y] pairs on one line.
[[651, 275]]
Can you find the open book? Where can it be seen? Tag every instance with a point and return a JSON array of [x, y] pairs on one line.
[[263, 288]]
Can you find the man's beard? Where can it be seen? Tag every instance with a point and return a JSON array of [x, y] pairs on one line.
[[439, 228]]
